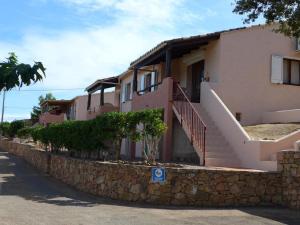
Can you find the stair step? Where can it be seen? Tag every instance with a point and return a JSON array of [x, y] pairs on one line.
[[218, 151]]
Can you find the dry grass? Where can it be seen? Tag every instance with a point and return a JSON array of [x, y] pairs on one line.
[[271, 131]]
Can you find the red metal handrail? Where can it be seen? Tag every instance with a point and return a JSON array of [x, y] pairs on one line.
[[191, 117]]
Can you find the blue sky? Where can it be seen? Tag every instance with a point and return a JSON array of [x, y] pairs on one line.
[[80, 41]]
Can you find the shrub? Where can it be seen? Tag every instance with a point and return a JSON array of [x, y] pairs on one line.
[[5, 127], [15, 126], [25, 132], [89, 136], [11, 129]]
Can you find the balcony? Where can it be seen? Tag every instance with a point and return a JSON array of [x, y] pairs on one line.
[[99, 110], [159, 98], [47, 118]]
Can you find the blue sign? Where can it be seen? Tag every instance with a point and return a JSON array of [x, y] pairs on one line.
[[158, 175]]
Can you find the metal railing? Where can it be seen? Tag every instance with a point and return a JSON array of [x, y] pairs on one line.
[[191, 118], [150, 88]]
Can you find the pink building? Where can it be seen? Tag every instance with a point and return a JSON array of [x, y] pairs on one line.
[[209, 85], [57, 111], [103, 102]]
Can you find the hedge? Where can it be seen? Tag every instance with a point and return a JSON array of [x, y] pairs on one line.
[[100, 133], [11, 129]]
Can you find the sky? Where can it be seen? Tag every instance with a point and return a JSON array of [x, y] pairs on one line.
[[80, 41]]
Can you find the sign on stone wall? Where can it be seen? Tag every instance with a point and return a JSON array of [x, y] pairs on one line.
[[158, 175]]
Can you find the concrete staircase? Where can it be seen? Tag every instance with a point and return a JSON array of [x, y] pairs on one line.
[[218, 151]]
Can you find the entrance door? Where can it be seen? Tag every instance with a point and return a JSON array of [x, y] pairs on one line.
[[197, 77]]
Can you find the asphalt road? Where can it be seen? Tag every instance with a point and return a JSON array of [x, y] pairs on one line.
[[31, 198]]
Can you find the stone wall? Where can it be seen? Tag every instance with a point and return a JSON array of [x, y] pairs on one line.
[[201, 187], [194, 186], [289, 165], [36, 157]]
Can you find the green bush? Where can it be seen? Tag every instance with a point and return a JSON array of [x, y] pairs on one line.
[[25, 132], [11, 129], [89, 136], [5, 128], [15, 126]]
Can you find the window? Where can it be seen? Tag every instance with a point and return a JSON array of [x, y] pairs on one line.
[[291, 71], [148, 82], [128, 91], [285, 70]]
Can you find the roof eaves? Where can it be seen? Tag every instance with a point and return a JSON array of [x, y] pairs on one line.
[[167, 43]]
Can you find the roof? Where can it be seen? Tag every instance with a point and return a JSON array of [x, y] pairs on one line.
[[106, 82], [188, 43], [57, 102]]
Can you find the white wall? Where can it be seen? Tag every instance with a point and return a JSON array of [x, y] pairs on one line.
[[248, 151], [284, 116]]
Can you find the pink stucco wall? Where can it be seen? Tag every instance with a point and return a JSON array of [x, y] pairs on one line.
[[238, 67], [282, 116], [245, 72], [80, 104], [47, 118], [161, 98]]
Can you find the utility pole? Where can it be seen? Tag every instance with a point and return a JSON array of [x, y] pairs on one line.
[[3, 105]]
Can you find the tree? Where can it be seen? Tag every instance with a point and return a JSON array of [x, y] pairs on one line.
[[152, 130], [284, 12], [36, 110], [15, 74]]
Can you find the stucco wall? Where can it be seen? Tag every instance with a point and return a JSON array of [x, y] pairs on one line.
[[81, 103], [283, 116], [47, 118], [245, 71]]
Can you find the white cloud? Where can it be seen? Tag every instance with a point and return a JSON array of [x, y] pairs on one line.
[[76, 58], [12, 117]]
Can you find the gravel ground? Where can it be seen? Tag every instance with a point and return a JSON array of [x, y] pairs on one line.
[[271, 131]]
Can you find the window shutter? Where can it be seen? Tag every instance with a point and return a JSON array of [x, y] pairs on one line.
[[153, 80], [277, 69], [130, 93], [142, 87], [298, 44], [123, 93]]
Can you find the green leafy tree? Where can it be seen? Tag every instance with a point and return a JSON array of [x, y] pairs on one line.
[[36, 110], [284, 12], [153, 128], [14, 74]]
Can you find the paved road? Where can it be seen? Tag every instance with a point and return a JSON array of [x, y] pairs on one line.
[[28, 197]]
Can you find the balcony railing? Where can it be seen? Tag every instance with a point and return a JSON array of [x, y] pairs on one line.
[[150, 88], [47, 118], [191, 118], [99, 110]]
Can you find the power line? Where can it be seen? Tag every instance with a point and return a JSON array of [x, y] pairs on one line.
[[17, 107], [40, 90]]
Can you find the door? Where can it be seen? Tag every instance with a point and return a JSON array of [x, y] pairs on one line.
[[197, 77]]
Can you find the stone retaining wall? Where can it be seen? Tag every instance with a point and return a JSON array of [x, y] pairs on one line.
[[184, 186], [36, 157], [289, 165]]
